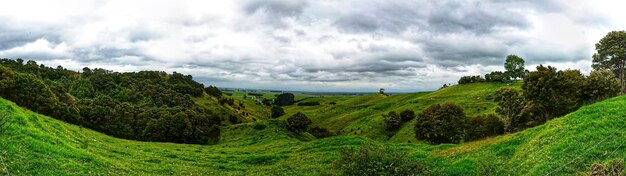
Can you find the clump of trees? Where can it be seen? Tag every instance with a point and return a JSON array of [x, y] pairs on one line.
[[213, 91], [373, 159], [276, 111], [407, 115], [284, 99], [497, 76], [146, 105], [548, 93], [482, 126], [441, 124], [471, 79], [298, 122]]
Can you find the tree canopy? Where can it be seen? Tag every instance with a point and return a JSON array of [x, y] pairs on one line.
[[514, 66], [611, 54]]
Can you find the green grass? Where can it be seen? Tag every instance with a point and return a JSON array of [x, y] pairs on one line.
[[38, 145], [362, 115]]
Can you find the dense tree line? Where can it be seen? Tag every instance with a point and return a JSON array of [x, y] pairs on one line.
[[146, 105]]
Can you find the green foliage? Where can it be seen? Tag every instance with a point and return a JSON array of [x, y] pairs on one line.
[[600, 85], [284, 99], [441, 124], [146, 105], [4, 122], [497, 76], [611, 54], [510, 105], [372, 159], [259, 126], [320, 132], [393, 122], [482, 126], [407, 115], [309, 103], [471, 79], [298, 122], [213, 91], [276, 111], [514, 66], [551, 94]]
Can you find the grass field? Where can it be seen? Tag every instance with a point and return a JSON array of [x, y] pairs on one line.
[[33, 144]]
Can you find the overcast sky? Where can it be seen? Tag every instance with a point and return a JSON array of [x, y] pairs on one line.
[[321, 45]]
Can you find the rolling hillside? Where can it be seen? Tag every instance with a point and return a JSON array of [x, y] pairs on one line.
[[362, 115], [33, 144]]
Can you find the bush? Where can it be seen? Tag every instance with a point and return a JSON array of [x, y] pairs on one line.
[[319, 132], [310, 103], [392, 121], [407, 115], [600, 85], [298, 122], [613, 167], [276, 112], [213, 91], [372, 159], [441, 124], [284, 99], [471, 79], [497, 76], [233, 119], [482, 126], [510, 105]]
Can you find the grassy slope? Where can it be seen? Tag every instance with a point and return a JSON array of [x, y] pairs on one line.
[[362, 115], [39, 145]]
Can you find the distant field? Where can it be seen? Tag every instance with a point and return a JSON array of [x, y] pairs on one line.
[[38, 145]]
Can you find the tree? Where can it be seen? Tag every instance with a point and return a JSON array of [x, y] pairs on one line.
[[284, 99], [298, 122], [213, 91], [276, 111], [407, 115], [497, 76], [482, 126], [510, 105], [601, 84], [392, 121], [611, 54], [441, 124], [514, 66]]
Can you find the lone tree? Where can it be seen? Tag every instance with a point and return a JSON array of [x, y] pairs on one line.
[[276, 111], [298, 122], [611, 54], [514, 66], [284, 99]]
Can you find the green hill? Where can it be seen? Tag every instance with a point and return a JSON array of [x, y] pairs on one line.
[[362, 115], [33, 144]]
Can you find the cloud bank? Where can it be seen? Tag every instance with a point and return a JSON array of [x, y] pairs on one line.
[[355, 45]]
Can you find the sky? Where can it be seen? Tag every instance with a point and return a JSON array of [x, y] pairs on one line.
[[321, 45]]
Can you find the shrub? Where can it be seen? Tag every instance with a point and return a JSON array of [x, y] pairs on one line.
[[372, 159], [284, 99], [497, 76], [600, 85], [441, 124], [613, 167], [213, 91], [510, 105], [298, 122], [310, 103], [482, 126], [233, 119], [319, 132], [276, 112], [407, 115], [214, 135], [471, 79], [392, 121]]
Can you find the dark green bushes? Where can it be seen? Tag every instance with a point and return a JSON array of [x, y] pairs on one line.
[[276, 111], [441, 124], [284, 99], [319, 132], [471, 79], [482, 126], [146, 105], [407, 115], [393, 122], [372, 159], [298, 122]]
